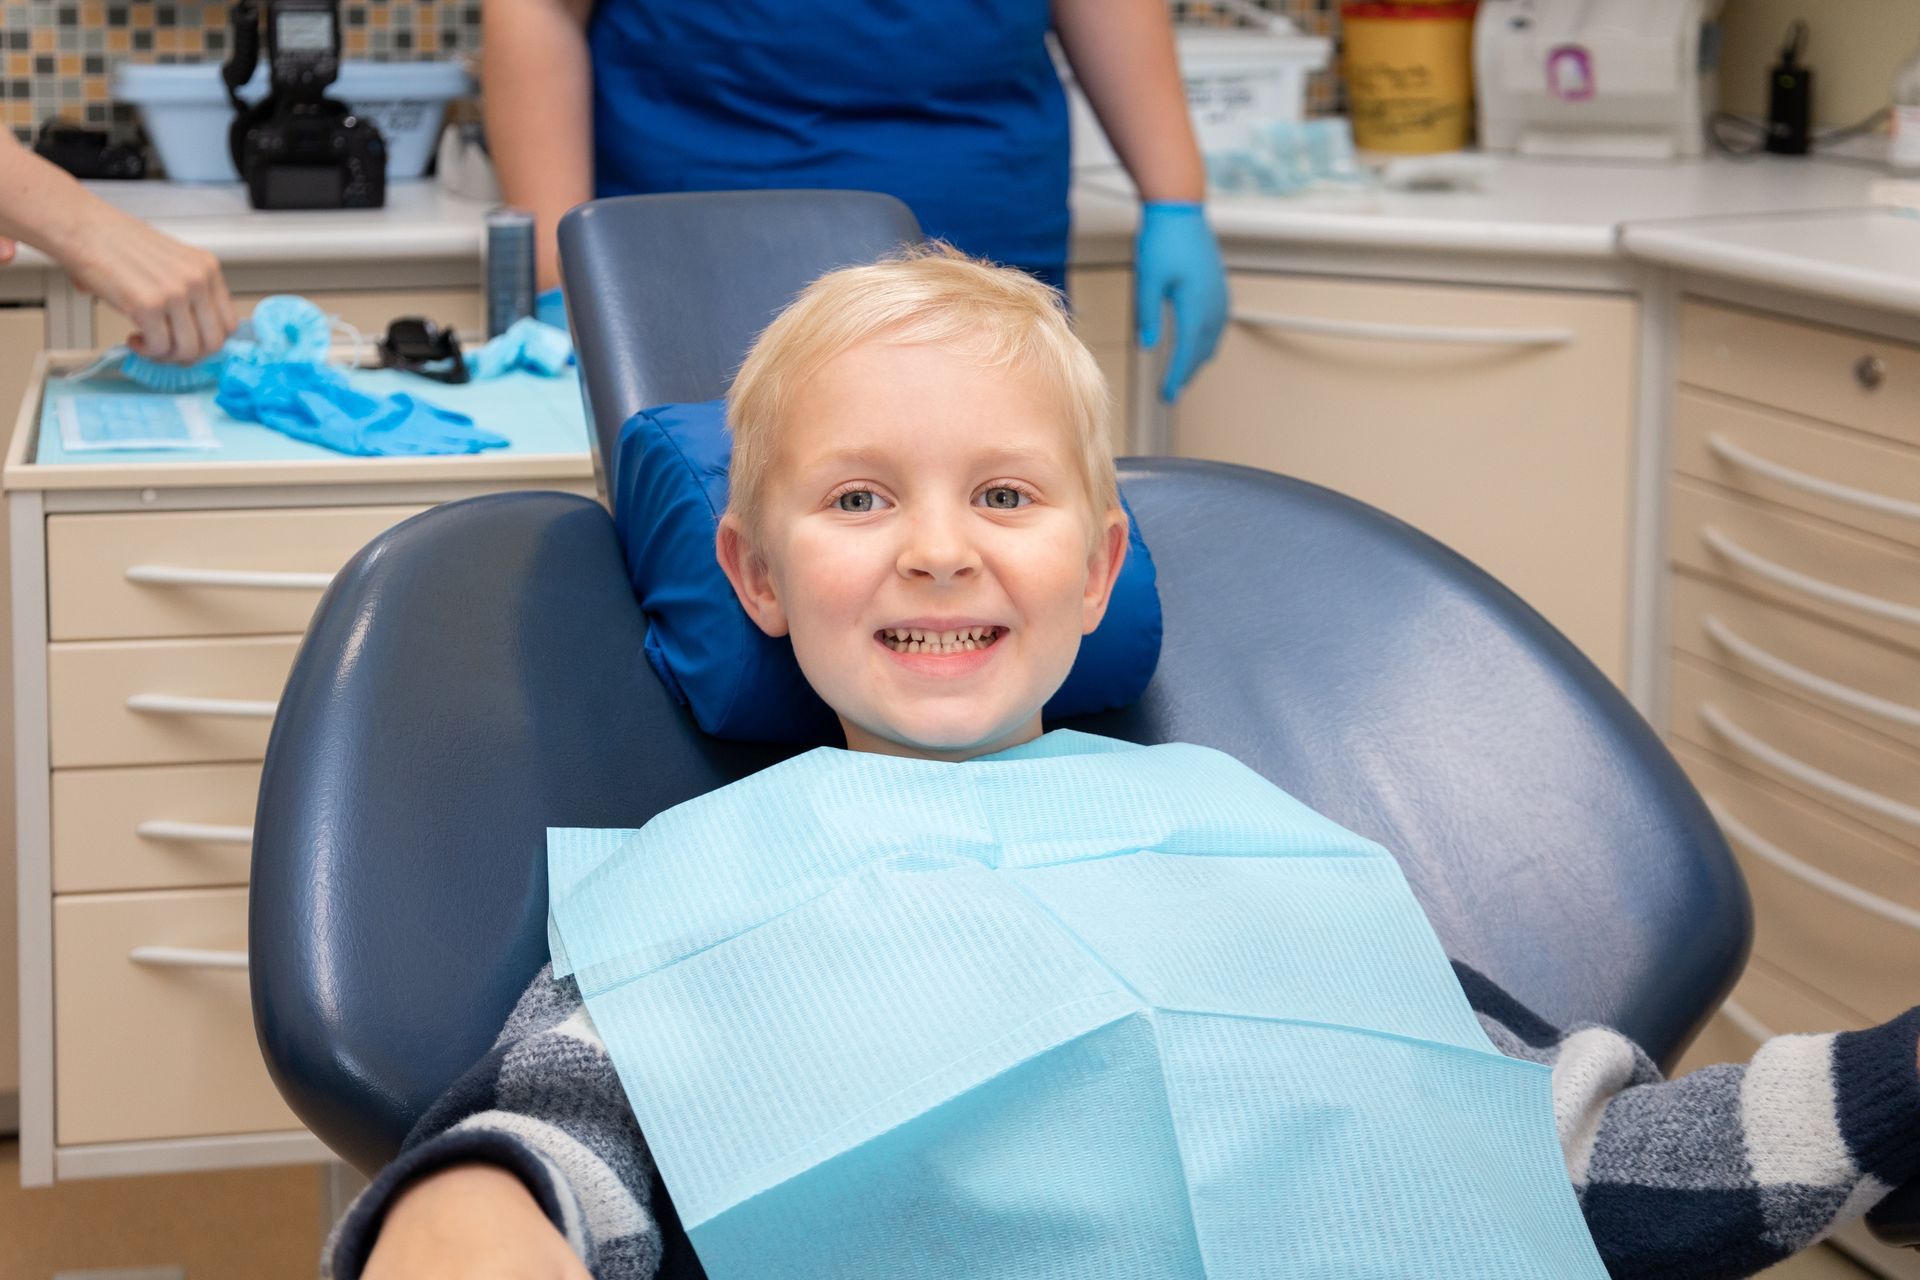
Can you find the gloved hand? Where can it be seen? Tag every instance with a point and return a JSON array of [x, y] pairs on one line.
[[1177, 260], [550, 307]]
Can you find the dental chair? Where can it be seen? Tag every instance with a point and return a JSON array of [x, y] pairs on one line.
[[476, 674]]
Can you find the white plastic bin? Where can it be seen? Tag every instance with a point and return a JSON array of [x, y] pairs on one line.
[[185, 110], [1238, 80]]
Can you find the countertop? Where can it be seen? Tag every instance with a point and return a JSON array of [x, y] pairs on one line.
[[1806, 224]]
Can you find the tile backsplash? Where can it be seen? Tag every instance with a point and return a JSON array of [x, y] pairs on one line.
[[57, 56]]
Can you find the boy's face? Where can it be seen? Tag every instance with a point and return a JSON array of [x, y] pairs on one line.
[[915, 490]]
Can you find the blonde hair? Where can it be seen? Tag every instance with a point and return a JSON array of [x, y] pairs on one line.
[[933, 295]]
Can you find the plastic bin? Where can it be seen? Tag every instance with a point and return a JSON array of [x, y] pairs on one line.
[[185, 110], [1238, 80]]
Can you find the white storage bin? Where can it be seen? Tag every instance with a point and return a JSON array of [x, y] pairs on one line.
[[1238, 80], [185, 110]]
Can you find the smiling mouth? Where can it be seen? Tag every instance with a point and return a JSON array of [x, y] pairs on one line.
[[965, 640]]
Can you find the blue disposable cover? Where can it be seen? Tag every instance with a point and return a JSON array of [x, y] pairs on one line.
[[669, 491], [1080, 1008]]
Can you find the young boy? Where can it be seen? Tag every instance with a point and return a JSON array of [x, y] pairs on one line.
[[922, 498]]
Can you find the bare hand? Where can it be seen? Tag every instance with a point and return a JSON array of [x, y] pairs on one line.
[[470, 1222], [7, 249], [173, 292]]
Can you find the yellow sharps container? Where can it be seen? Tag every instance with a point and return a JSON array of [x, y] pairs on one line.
[[1409, 74]]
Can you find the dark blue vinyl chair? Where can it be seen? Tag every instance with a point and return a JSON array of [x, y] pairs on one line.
[[476, 675]]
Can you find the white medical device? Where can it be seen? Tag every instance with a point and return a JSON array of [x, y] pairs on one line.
[[1612, 79]]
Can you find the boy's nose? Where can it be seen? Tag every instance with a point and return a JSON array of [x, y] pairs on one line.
[[935, 550]]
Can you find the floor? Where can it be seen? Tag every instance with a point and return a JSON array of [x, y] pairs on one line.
[[255, 1224], [1817, 1264]]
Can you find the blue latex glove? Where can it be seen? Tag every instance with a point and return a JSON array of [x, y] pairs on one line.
[[313, 403], [528, 344], [551, 308], [1176, 260]]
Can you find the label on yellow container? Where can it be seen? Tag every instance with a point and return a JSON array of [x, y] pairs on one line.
[[1409, 73]]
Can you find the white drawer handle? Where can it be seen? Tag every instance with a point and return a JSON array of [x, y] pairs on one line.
[[1750, 1027], [1440, 334], [1727, 451], [167, 704], [1753, 655], [193, 832], [187, 958], [1887, 806], [1826, 882], [161, 575], [1818, 588]]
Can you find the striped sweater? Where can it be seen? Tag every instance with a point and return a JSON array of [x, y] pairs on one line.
[[1719, 1174]]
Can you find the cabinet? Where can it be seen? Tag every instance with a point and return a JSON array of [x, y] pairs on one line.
[[1102, 299], [1793, 541], [158, 608], [1501, 421], [22, 334]]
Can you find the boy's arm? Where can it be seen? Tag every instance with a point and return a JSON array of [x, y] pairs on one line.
[[1731, 1168], [546, 1106]]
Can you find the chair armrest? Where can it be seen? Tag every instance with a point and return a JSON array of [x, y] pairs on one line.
[[1896, 1219]]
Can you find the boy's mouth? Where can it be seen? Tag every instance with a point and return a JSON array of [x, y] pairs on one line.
[[962, 640]]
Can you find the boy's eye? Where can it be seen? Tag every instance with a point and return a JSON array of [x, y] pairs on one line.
[[1003, 497], [857, 501]]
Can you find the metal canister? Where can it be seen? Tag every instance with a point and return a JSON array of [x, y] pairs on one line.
[[509, 267]]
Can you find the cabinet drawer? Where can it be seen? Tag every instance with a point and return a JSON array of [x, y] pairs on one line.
[[1507, 435], [173, 827], [1803, 368], [1874, 685], [1868, 778], [233, 684], [1841, 475], [198, 573], [1102, 299], [1806, 925], [151, 1050], [1779, 1004], [1857, 580]]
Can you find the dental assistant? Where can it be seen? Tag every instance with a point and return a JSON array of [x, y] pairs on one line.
[[951, 105], [172, 292]]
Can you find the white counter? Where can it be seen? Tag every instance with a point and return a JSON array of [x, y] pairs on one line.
[[1716, 215]]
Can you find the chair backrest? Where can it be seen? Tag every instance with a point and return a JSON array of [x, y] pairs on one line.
[[475, 675], [711, 269]]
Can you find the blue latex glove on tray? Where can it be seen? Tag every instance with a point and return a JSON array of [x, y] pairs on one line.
[[1177, 261]]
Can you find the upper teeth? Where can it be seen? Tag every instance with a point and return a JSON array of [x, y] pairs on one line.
[[905, 634]]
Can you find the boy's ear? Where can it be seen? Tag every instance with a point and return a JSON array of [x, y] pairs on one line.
[[751, 576], [1103, 569]]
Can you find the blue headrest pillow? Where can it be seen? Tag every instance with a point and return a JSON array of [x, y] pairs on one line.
[[669, 490]]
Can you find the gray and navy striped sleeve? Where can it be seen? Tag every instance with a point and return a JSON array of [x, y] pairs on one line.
[[546, 1105], [1731, 1168]]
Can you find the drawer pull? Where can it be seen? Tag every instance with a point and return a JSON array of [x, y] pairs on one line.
[[187, 958], [161, 575], [1818, 588], [193, 832], [1887, 806], [1753, 655], [167, 704], [1826, 882], [1870, 372], [1441, 334], [1750, 1027], [1727, 451]]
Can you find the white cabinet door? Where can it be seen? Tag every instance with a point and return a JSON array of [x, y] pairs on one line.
[[1498, 420]]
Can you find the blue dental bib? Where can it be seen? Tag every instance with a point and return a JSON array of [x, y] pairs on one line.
[[1077, 1009]]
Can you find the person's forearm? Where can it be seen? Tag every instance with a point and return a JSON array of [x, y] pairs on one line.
[[39, 202], [1123, 58], [538, 84]]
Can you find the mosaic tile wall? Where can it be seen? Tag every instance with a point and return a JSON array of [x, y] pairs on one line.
[[57, 56]]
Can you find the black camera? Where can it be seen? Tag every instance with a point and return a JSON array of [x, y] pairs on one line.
[[298, 148]]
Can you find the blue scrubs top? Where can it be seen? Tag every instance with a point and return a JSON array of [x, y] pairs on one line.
[[951, 105]]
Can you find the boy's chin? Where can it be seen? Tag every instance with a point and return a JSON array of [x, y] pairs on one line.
[[945, 735]]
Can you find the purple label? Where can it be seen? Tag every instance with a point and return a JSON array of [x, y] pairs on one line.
[[1570, 73]]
